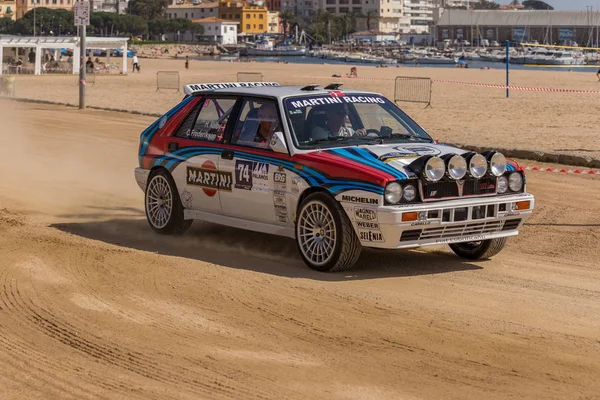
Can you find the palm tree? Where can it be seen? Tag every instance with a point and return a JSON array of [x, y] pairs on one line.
[[287, 18]]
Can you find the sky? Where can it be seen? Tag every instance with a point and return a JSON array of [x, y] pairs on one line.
[[571, 5]]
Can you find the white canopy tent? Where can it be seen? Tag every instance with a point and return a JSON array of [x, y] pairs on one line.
[[63, 42]]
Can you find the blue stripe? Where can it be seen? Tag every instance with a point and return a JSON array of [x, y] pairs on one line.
[[147, 135], [368, 161], [312, 176], [509, 168]]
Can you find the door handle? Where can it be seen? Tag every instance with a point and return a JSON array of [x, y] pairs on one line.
[[227, 155], [172, 146]]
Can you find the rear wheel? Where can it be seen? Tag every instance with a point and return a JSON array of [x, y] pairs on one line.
[[479, 250], [324, 235], [164, 210]]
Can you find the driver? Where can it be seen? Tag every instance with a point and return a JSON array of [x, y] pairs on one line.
[[335, 124], [267, 115]]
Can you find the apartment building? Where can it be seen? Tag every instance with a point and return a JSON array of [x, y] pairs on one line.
[[252, 18], [23, 6], [193, 11], [419, 14], [383, 15], [114, 6], [8, 9], [300, 7]]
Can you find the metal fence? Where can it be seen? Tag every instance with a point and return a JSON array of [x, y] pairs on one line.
[[249, 77], [7, 86], [413, 90], [167, 80]]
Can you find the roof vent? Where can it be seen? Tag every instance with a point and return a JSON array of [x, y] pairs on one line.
[[334, 86], [312, 86]]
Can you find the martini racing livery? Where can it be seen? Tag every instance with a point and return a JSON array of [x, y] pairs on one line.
[[334, 169]]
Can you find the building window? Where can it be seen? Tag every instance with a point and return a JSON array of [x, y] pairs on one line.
[[169, 13], [247, 26], [237, 16], [260, 16], [186, 15], [224, 16], [248, 16], [261, 26], [192, 15]]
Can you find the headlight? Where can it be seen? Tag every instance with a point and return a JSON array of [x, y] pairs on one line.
[[457, 167], [498, 164], [393, 193], [435, 169], [410, 193], [502, 184], [515, 181], [477, 166]]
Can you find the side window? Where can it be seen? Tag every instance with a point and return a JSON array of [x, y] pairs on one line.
[[208, 121], [257, 121]]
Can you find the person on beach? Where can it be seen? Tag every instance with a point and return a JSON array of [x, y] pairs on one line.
[[187, 62]]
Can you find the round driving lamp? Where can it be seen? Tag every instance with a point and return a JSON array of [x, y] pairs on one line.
[[393, 193], [498, 164], [410, 193], [502, 184], [434, 169], [457, 167], [515, 181], [477, 166]]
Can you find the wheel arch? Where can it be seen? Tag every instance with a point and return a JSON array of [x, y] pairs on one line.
[[307, 192]]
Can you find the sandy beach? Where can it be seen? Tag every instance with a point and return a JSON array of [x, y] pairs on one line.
[[95, 305], [548, 121]]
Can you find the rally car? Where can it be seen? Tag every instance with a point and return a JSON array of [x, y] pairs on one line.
[[334, 169]]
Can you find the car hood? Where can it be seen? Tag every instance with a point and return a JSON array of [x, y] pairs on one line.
[[395, 155]]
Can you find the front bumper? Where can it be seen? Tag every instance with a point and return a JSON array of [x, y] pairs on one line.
[[141, 177], [443, 222]]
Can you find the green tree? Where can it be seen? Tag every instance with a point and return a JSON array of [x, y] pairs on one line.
[[515, 3], [7, 25], [486, 5], [537, 5], [148, 9]]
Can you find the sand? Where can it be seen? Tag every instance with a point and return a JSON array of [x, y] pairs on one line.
[[94, 305], [548, 121]]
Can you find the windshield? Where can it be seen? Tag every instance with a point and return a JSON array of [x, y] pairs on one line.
[[338, 119]]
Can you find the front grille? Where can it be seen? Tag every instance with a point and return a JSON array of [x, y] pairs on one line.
[[457, 231], [449, 189], [439, 190]]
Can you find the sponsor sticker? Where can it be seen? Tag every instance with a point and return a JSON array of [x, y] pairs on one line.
[[280, 179], [359, 199], [162, 122], [473, 238], [296, 186], [209, 178], [243, 174], [370, 236], [408, 152], [367, 225], [365, 214], [334, 98], [186, 198]]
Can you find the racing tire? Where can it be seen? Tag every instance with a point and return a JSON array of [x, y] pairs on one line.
[[325, 237], [483, 249], [164, 210]]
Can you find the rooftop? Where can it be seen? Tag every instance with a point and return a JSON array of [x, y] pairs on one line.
[[214, 20]]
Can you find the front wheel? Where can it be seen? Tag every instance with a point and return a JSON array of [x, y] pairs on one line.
[[324, 235], [164, 210], [479, 250]]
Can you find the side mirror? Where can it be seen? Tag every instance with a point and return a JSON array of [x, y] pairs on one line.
[[277, 143]]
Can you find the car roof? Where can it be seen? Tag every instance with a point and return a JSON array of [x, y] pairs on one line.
[[272, 91]]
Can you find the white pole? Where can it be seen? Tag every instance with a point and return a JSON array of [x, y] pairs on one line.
[[82, 68]]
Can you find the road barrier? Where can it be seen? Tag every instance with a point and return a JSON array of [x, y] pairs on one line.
[[167, 80], [413, 90], [7, 85]]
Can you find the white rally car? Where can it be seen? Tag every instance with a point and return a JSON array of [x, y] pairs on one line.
[[334, 169]]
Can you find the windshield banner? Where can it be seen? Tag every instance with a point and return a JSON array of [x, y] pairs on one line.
[[323, 100]]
